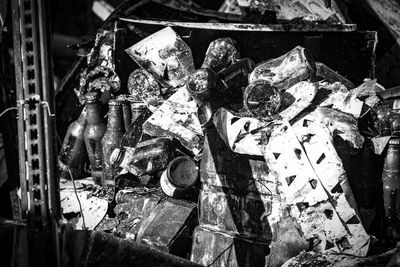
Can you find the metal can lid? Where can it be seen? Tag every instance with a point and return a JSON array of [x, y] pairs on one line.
[[92, 97], [114, 102], [168, 188], [182, 172]]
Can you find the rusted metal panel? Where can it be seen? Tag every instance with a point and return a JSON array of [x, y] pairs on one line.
[[213, 248]]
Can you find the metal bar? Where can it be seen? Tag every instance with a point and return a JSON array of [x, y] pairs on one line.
[[36, 129], [249, 27], [20, 97], [49, 121]]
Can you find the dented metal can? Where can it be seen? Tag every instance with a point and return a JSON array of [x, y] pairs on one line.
[[220, 54], [180, 176], [287, 70]]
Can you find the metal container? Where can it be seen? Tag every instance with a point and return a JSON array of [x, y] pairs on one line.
[[73, 152], [215, 248], [391, 179], [112, 138], [220, 54], [286, 70], [93, 134], [147, 157], [180, 176], [262, 99], [169, 227]]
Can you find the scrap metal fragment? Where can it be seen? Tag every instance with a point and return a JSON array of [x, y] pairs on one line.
[[165, 55], [176, 117], [340, 124]]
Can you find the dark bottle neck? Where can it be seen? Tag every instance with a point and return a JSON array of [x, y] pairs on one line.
[[94, 113], [115, 118]]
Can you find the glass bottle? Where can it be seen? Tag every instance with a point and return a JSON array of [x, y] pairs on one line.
[[126, 111], [220, 54], [140, 113], [205, 86], [391, 179], [112, 137], [93, 134], [73, 152]]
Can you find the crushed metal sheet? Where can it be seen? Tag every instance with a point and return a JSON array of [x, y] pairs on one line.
[[165, 55], [380, 143], [176, 117]]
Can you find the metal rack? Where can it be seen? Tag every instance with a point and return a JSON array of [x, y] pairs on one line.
[[40, 205]]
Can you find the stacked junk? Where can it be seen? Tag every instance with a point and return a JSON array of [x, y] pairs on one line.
[[236, 163]]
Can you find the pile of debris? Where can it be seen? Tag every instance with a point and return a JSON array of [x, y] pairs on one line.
[[235, 163]]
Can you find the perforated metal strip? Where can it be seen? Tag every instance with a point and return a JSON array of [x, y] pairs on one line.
[[33, 121]]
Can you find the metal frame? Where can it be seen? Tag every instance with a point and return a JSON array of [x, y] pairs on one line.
[[40, 203]]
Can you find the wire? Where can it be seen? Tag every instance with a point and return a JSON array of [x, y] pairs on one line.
[[46, 104], [77, 197], [7, 110]]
